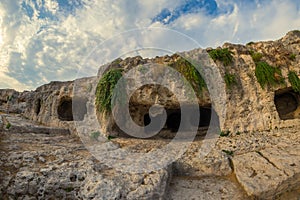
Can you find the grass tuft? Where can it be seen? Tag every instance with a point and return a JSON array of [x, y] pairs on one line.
[[268, 75], [229, 153], [191, 74], [256, 56], [294, 80], [224, 133], [8, 125], [222, 55], [230, 80], [292, 57]]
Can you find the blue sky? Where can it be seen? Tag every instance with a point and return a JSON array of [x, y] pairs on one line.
[[45, 40]]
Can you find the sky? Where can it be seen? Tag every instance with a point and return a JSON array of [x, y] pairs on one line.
[[48, 40]]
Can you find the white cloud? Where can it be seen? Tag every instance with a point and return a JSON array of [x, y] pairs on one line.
[[37, 50]]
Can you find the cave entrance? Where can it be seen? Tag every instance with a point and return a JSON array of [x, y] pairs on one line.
[[287, 104], [64, 109], [174, 119], [37, 106]]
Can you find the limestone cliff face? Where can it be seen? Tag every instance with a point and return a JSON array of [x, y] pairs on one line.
[[249, 107]]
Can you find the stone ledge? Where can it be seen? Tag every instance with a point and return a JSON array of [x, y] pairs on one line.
[[21, 125]]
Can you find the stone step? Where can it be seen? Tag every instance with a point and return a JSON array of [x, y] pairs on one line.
[[204, 188], [18, 124]]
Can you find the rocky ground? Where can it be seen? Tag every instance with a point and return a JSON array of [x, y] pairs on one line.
[[39, 162]]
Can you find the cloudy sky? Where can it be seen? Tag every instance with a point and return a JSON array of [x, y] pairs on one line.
[[45, 40]]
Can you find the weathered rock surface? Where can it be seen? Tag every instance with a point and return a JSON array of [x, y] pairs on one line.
[[18, 124], [269, 172], [40, 160], [42, 166]]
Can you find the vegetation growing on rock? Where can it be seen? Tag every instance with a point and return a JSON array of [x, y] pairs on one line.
[[105, 88], [267, 74], [8, 125], [230, 80], [294, 80], [95, 135], [222, 55], [256, 56], [292, 57], [191, 74]]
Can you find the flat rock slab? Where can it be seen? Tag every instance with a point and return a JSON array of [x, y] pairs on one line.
[[269, 172], [21, 125], [206, 188]]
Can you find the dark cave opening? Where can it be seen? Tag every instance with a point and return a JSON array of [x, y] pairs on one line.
[[2, 102], [64, 109], [174, 119], [286, 102], [37, 106], [147, 119]]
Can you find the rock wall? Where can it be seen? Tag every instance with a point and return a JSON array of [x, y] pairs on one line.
[[249, 107]]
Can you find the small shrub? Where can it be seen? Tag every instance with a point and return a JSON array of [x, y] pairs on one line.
[[229, 153], [8, 125], [222, 55], [110, 137], [256, 56], [95, 135], [250, 43], [294, 80], [224, 133], [292, 57], [238, 133], [268, 75], [105, 88], [230, 80]]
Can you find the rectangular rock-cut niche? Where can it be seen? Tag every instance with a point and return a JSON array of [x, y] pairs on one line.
[[64, 109], [141, 116], [72, 109], [287, 104]]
